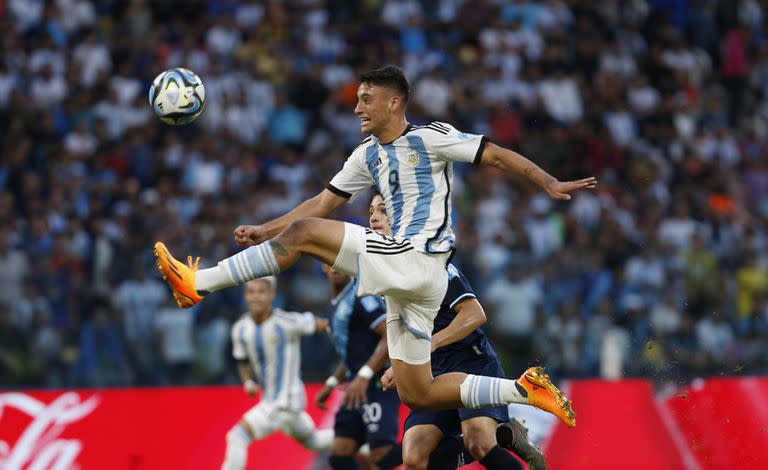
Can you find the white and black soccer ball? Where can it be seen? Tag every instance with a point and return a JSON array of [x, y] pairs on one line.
[[177, 96]]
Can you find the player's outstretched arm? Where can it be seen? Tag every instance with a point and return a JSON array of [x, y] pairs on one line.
[[469, 317], [513, 162], [319, 206]]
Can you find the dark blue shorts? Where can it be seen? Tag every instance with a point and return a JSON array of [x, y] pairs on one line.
[[376, 422], [449, 421]]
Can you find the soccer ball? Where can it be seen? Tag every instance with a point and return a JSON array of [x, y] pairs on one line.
[[177, 96]]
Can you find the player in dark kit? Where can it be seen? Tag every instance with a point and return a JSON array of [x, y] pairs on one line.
[[459, 345], [369, 413]]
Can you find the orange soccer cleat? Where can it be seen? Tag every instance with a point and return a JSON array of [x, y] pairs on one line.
[[543, 394], [180, 277]]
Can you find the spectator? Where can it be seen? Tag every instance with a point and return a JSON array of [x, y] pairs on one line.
[[138, 299], [13, 268], [102, 361], [671, 115], [177, 348]]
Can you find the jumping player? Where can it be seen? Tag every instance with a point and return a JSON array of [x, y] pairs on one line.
[[369, 414], [267, 341], [412, 167]]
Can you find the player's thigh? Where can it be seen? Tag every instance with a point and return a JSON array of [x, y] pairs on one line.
[[479, 434], [344, 446], [418, 443], [260, 421], [320, 238], [413, 380], [404, 343]]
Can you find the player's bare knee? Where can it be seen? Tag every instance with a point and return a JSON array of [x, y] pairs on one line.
[[414, 458], [479, 444]]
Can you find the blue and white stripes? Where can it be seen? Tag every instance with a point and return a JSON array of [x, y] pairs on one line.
[[251, 263], [273, 349], [478, 391]]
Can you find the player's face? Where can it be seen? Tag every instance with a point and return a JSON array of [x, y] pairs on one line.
[[377, 216], [375, 105], [259, 296]]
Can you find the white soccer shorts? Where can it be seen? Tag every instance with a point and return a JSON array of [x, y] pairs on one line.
[[265, 418], [413, 284]]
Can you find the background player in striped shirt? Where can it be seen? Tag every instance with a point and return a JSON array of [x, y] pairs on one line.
[[266, 341], [369, 414], [459, 345], [412, 168]]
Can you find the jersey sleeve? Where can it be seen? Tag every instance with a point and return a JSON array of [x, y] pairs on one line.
[[300, 324], [372, 310], [238, 342], [447, 143], [353, 177], [458, 288]]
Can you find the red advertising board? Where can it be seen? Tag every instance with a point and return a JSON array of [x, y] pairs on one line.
[[717, 424], [158, 428]]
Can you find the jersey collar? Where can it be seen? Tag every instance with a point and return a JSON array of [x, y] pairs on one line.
[[407, 130]]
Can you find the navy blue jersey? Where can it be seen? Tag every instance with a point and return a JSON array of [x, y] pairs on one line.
[[474, 345], [354, 319]]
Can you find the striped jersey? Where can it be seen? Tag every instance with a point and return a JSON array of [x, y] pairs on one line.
[[273, 350], [414, 175], [354, 321]]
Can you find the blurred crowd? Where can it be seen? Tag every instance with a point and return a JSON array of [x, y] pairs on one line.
[[661, 272]]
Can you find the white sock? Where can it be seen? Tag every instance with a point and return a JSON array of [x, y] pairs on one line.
[[510, 392], [321, 440], [478, 391], [212, 279], [252, 263], [237, 449]]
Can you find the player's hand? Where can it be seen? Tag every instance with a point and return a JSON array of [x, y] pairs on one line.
[[251, 388], [388, 380], [249, 235], [560, 189], [323, 325], [355, 394], [322, 396]]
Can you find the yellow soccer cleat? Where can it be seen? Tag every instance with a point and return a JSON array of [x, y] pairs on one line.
[[544, 395], [180, 277]]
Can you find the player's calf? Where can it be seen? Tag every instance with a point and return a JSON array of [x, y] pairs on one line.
[[387, 457], [319, 440], [238, 440], [479, 435]]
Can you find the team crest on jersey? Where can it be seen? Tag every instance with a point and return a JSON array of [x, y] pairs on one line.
[[412, 159]]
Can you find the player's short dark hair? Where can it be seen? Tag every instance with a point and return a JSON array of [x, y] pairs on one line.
[[390, 77]]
